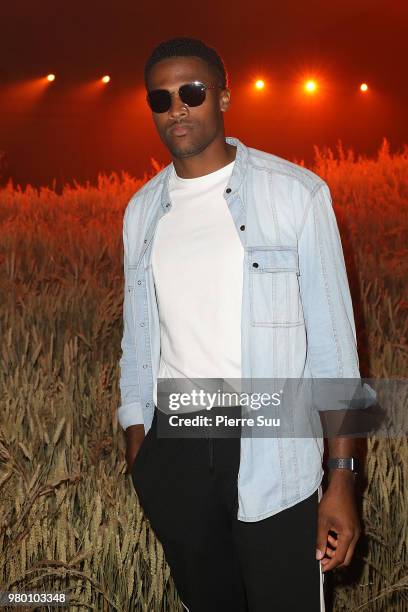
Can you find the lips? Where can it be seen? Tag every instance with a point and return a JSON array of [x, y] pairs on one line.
[[179, 130]]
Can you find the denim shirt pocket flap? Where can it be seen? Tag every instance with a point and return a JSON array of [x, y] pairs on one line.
[[274, 259]]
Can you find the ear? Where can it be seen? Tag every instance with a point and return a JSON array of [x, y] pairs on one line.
[[225, 99]]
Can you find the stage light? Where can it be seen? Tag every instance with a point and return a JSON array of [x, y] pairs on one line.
[[363, 87], [259, 84], [310, 86], [51, 77], [105, 79]]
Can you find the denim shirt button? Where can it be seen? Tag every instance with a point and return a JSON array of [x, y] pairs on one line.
[[255, 265], [147, 404], [228, 190], [142, 324], [139, 282], [242, 228]]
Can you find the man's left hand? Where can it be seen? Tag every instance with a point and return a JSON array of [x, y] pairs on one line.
[[338, 512]]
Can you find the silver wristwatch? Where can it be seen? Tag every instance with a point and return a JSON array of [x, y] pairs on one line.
[[344, 463]]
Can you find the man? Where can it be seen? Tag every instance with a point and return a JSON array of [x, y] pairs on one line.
[[233, 268]]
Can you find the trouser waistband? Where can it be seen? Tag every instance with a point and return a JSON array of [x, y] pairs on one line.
[[211, 432]]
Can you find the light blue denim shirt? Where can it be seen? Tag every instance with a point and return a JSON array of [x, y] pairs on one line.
[[284, 217]]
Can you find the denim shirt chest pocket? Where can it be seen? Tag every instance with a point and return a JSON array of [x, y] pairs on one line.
[[274, 286]]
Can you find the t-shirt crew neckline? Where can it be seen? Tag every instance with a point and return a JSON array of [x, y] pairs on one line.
[[202, 179]]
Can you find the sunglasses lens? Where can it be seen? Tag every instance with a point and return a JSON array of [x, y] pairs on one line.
[[192, 94], [159, 100]]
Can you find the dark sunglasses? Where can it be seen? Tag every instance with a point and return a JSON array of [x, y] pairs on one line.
[[192, 94]]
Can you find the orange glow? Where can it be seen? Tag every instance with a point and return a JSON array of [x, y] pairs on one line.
[[259, 84], [363, 87], [22, 96], [310, 86], [105, 79], [51, 77]]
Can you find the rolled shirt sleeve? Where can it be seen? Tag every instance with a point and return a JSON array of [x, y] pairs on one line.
[[325, 293], [130, 411]]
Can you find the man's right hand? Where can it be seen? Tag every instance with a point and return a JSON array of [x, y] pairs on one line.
[[134, 438]]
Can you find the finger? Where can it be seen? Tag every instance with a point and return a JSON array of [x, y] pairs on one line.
[[330, 552], [321, 539], [343, 543], [350, 552], [332, 540]]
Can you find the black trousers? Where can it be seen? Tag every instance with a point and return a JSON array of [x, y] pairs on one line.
[[188, 490]]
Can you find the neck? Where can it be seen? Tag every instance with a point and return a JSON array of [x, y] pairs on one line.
[[217, 155]]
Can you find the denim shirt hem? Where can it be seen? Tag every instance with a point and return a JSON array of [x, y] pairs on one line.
[[295, 500]]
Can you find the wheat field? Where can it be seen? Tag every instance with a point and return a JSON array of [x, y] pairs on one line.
[[69, 517]]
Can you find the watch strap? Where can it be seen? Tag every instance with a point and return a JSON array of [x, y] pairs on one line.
[[343, 463]]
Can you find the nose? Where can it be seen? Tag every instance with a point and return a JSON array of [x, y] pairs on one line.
[[178, 108]]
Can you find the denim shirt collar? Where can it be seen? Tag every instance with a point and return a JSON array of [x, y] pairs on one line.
[[234, 183]]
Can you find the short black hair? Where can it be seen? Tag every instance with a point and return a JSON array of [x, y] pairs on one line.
[[186, 47]]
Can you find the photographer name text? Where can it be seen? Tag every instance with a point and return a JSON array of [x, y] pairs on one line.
[[222, 421]]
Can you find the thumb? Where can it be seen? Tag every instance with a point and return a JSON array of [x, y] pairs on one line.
[[321, 541]]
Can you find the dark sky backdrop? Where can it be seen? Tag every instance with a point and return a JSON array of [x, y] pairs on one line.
[[71, 129]]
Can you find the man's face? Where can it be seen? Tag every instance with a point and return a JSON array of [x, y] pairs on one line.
[[203, 123]]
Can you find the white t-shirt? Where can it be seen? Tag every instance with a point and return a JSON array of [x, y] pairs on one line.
[[197, 262]]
